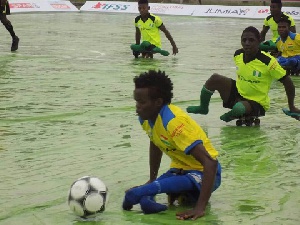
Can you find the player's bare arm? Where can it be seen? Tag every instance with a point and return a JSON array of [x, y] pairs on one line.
[[209, 173], [170, 38]]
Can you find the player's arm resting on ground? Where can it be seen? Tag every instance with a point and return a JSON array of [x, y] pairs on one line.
[[290, 92], [209, 173], [170, 38], [155, 155], [137, 36], [264, 32]]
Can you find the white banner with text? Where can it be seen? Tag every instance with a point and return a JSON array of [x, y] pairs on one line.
[[22, 6]]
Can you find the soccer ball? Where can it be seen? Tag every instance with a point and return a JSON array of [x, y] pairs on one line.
[[87, 196]]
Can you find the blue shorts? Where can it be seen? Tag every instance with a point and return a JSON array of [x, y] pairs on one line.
[[195, 176]]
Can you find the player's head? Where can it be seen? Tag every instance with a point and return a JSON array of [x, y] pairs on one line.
[[250, 40], [153, 90], [275, 7], [143, 7], [284, 27]]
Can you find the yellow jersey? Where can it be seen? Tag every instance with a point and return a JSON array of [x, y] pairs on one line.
[[289, 47], [175, 133]]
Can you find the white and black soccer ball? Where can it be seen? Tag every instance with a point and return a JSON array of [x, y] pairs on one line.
[[88, 196]]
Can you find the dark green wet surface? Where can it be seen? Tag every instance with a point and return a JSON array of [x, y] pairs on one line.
[[67, 111]]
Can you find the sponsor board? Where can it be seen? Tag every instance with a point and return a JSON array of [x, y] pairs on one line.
[[20, 6], [110, 6]]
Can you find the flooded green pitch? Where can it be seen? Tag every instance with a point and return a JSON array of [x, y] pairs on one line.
[[66, 110]]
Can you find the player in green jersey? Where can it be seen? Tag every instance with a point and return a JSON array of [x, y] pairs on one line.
[[271, 22], [248, 95], [147, 27]]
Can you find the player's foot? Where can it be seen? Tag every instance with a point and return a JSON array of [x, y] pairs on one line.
[[150, 206], [226, 117], [126, 205], [164, 52], [197, 110], [15, 44]]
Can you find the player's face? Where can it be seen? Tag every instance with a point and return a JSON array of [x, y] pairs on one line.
[[250, 43], [144, 9], [275, 9], [283, 29], [146, 107]]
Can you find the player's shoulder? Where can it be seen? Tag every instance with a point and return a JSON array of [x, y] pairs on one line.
[[154, 17], [238, 52], [137, 18], [268, 17], [289, 17], [264, 57]]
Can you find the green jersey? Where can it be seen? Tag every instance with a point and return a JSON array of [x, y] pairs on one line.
[[255, 77], [150, 29]]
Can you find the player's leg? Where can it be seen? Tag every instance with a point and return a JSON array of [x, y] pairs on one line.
[[161, 51], [216, 82], [173, 184], [7, 24], [244, 108]]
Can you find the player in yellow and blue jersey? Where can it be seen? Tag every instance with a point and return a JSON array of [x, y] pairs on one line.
[[271, 22], [194, 170], [147, 27], [5, 10], [288, 45], [248, 94]]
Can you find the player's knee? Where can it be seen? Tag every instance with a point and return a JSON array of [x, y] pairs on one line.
[[215, 78], [5, 22]]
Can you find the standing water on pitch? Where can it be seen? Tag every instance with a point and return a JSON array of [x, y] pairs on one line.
[[67, 111]]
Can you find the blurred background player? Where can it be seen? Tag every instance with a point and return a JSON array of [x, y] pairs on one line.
[[288, 45], [147, 27], [271, 21], [5, 10]]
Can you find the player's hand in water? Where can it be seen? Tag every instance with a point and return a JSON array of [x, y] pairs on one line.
[[175, 50], [192, 214]]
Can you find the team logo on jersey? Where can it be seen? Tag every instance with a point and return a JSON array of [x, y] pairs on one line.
[[151, 25], [164, 140], [256, 73], [178, 130]]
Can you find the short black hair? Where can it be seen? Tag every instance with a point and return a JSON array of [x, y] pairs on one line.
[[143, 2], [158, 82], [284, 19], [277, 2], [253, 30]]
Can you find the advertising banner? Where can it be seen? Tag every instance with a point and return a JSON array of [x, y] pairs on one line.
[[17, 6], [132, 7], [110, 6], [250, 12]]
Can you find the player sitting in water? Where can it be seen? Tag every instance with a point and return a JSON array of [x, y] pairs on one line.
[[288, 45], [248, 95], [148, 25], [194, 170], [271, 21]]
